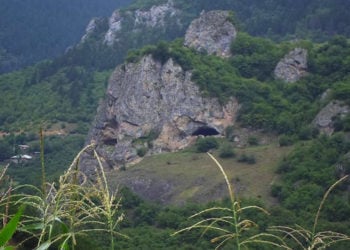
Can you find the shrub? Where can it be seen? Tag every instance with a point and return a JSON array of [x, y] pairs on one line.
[[253, 141], [229, 133], [285, 140], [142, 151], [276, 190], [205, 144], [226, 151], [250, 159], [304, 133]]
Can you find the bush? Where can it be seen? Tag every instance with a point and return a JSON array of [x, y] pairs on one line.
[[305, 133], [226, 151], [285, 140], [229, 133], [250, 159], [276, 190], [142, 151], [253, 141], [205, 144]]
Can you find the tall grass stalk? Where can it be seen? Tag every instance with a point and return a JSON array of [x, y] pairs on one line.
[[42, 161], [231, 226], [5, 194], [312, 239], [110, 205]]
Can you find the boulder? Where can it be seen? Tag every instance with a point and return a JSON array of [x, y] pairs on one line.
[[212, 32], [324, 119], [293, 66]]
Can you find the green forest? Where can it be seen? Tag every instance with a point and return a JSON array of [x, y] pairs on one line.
[[50, 106]]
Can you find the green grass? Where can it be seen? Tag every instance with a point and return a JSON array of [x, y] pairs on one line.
[[186, 176]]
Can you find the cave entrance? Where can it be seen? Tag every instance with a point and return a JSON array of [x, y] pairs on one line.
[[110, 141], [205, 131]]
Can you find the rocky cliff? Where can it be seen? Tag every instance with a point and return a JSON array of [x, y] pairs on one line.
[[136, 21], [151, 108], [212, 32]]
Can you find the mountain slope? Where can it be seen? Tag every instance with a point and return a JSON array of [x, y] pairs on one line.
[[35, 30]]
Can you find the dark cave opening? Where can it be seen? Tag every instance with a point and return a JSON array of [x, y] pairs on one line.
[[206, 131], [110, 141]]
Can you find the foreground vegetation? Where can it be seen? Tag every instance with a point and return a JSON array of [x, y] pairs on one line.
[[63, 215]]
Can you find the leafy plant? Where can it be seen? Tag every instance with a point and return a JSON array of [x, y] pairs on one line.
[[9, 229]]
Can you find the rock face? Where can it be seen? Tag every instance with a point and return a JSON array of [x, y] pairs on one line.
[[211, 32], [155, 17], [324, 119], [293, 66], [93, 28], [155, 107], [114, 25]]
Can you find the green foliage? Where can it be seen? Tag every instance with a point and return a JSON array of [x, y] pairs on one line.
[[229, 133], [250, 159], [10, 228], [308, 132], [306, 172], [59, 152], [226, 151], [142, 151], [341, 90], [54, 26], [314, 238], [253, 140], [254, 56], [70, 95], [5, 151], [332, 58], [59, 214], [285, 140], [206, 143]]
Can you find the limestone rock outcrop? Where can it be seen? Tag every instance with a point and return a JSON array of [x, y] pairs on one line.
[[324, 119], [114, 26], [155, 17], [293, 66], [212, 32], [93, 27], [155, 107]]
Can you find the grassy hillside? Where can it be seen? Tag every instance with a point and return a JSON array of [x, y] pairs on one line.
[[189, 176]]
